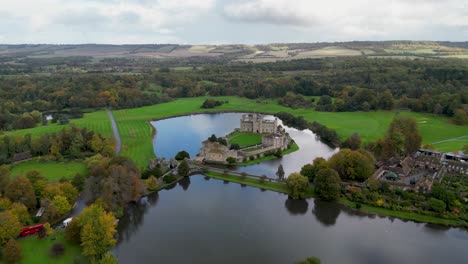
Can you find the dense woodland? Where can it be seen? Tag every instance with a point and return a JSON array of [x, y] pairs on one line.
[[343, 84]]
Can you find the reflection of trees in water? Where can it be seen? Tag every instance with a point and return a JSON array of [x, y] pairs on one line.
[[296, 207], [206, 178], [185, 183], [436, 229], [134, 215], [326, 212]]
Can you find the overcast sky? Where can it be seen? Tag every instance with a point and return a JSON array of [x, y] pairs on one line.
[[230, 21]]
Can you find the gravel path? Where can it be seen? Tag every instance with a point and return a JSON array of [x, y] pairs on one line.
[[118, 142]]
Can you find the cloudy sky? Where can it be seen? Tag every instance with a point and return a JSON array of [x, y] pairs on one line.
[[230, 21]]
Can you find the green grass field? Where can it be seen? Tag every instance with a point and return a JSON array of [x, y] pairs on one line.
[[245, 139], [53, 171], [37, 250], [293, 148], [136, 132], [95, 121]]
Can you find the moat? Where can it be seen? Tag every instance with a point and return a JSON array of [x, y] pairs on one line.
[[202, 220]]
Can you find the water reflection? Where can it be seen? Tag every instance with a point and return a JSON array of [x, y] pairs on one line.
[[326, 212], [185, 183], [296, 207]]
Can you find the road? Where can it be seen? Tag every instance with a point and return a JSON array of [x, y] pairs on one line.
[[115, 130]]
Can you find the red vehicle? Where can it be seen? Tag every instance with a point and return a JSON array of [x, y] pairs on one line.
[[30, 230]]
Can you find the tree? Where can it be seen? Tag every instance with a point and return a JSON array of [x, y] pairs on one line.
[[311, 260], [297, 185], [12, 252], [352, 142], [183, 169], [4, 178], [235, 146], [97, 231], [353, 165], [21, 190], [280, 172], [64, 189], [404, 132], [72, 231], [181, 155], [108, 258], [327, 184], [213, 138], [437, 205], [386, 100], [10, 226], [310, 170], [21, 212], [460, 117], [61, 204], [96, 143]]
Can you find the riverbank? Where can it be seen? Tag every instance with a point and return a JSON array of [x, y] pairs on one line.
[[282, 188]]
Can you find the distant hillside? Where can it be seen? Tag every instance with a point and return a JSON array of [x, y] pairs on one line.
[[247, 53]]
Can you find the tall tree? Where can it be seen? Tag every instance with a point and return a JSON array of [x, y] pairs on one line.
[[10, 227], [280, 172], [97, 231], [21, 190], [183, 169], [297, 185], [327, 184], [310, 170]]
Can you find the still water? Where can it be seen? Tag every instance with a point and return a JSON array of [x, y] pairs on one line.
[[202, 220]]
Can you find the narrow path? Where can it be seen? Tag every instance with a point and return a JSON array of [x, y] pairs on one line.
[[115, 130], [450, 139]]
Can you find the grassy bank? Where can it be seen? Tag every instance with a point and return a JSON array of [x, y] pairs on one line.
[[53, 171], [405, 215], [293, 148], [136, 132], [281, 188], [36, 250]]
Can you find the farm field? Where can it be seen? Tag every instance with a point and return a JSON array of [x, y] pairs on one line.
[[53, 171], [36, 250], [136, 132]]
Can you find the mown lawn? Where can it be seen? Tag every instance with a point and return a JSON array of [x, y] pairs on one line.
[[245, 139], [53, 171], [293, 148], [36, 250], [96, 121]]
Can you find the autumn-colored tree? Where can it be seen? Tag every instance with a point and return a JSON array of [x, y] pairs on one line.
[[12, 252], [96, 143], [21, 190], [97, 231], [61, 204], [460, 117], [405, 129], [72, 232], [352, 142], [4, 178], [327, 184], [38, 181], [297, 185], [5, 203], [108, 258], [64, 189], [21, 212], [10, 226]]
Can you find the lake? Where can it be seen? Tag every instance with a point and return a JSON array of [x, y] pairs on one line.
[[203, 220]]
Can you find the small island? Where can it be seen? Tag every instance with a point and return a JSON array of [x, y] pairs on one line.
[[257, 138]]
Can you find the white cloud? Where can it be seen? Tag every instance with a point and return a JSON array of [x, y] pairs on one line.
[[238, 21]]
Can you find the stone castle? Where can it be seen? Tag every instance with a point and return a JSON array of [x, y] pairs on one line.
[[275, 139], [256, 123]]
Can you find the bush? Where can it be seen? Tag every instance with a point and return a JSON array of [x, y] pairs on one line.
[[231, 160], [211, 103], [182, 155], [57, 249], [437, 205], [170, 178]]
